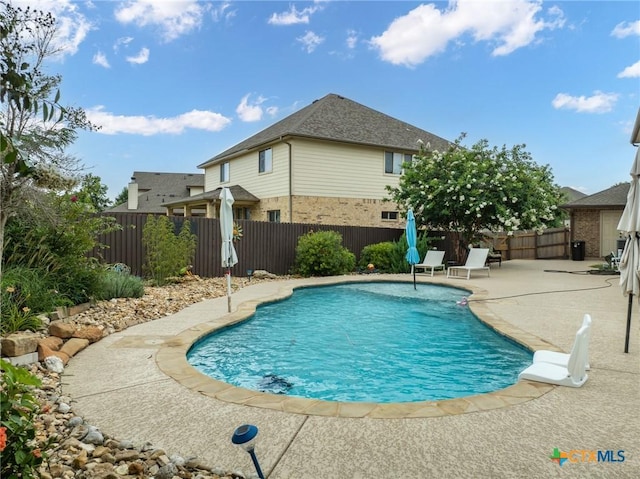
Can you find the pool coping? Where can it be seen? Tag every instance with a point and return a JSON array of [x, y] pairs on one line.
[[171, 359]]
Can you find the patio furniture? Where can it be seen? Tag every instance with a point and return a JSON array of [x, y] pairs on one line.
[[476, 260], [615, 261], [573, 375], [562, 359], [432, 260]]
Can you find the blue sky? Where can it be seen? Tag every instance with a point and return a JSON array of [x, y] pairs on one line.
[[173, 83]]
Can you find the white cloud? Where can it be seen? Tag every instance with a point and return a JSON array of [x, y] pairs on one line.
[[626, 29], [140, 58], [632, 71], [310, 41], [123, 41], [174, 18], [222, 12], [272, 111], [426, 31], [150, 125], [101, 59], [293, 16], [72, 26], [599, 102], [352, 39], [250, 111]]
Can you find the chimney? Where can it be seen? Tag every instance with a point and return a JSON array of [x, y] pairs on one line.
[[132, 196]]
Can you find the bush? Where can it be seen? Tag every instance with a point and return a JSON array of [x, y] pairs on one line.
[[390, 256], [20, 452], [120, 285], [322, 254], [165, 252]]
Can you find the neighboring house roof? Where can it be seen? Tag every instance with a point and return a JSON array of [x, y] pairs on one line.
[[156, 189], [572, 194], [616, 196], [336, 118], [240, 195]]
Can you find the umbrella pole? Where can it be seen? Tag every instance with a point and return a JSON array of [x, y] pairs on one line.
[[229, 290], [413, 267], [626, 340]]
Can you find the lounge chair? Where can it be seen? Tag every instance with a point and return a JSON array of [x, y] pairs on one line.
[[573, 375], [432, 260], [476, 260], [562, 359]]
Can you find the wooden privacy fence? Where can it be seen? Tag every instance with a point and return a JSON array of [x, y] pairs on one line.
[[553, 243], [268, 246], [271, 246]]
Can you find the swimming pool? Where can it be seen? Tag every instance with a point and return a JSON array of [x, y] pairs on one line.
[[368, 342]]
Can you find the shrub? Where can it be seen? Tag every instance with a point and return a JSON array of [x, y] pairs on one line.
[[390, 256], [322, 254], [165, 252], [20, 452], [120, 285], [378, 254]]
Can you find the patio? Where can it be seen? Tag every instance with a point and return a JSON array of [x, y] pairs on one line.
[[119, 384]]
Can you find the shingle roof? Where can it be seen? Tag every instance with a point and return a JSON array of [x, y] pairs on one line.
[[155, 189], [614, 196], [572, 194], [238, 192], [336, 118]]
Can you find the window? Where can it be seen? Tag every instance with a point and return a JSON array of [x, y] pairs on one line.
[[224, 172], [241, 213], [393, 162], [389, 215], [274, 216], [264, 161]]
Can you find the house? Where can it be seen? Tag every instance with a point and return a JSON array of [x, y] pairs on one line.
[[594, 219], [328, 163], [149, 192]]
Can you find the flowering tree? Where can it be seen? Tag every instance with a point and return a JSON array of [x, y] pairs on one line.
[[468, 190]]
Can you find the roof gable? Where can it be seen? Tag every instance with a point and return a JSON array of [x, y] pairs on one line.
[[614, 196], [336, 118]]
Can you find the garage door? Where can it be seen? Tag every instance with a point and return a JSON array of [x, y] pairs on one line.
[[609, 231]]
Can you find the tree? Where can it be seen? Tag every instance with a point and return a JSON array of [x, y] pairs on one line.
[[468, 190], [123, 197], [35, 128], [93, 193]]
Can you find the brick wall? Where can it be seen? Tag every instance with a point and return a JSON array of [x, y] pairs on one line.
[[329, 211], [585, 226]]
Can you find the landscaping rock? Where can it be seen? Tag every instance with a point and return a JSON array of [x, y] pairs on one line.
[[92, 333], [18, 344], [74, 346], [61, 329]]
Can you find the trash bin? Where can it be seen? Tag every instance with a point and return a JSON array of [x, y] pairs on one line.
[[577, 250]]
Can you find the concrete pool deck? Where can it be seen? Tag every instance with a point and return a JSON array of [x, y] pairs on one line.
[[136, 385]]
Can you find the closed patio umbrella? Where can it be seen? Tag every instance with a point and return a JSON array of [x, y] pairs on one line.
[[413, 257], [630, 260], [229, 256]]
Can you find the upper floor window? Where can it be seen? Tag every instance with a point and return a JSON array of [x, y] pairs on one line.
[[224, 172], [274, 216], [389, 215], [264, 161], [393, 162]]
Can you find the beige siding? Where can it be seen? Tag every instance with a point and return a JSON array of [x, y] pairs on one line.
[[326, 169], [243, 171]]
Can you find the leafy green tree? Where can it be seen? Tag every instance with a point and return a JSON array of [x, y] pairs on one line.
[[92, 193], [468, 190], [123, 197], [35, 128]]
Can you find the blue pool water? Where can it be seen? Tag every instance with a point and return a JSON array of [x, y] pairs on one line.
[[376, 342]]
